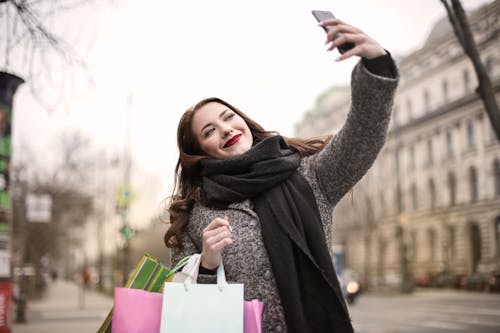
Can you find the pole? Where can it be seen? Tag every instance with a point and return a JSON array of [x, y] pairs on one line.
[[406, 285], [126, 231], [23, 283], [100, 225]]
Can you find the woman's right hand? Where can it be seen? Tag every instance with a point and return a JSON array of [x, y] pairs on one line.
[[216, 236]]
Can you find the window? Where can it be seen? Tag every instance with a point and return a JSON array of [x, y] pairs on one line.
[[445, 90], [449, 143], [414, 196], [452, 186], [496, 175], [409, 107], [432, 193], [414, 246], [427, 101], [432, 244], [470, 134], [399, 199], [497, 235], [412, 157], [473, 184], [451, 241], [430, 152], [466, 81], [398, 159], [489, 66], [395, 115]]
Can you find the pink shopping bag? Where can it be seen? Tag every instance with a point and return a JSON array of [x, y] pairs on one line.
[[136, 311], [252, 316]]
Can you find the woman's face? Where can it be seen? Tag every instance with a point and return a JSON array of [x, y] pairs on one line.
[[221, 132]]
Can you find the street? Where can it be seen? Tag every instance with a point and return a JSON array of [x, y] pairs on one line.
[[64, 310], [429, 311]]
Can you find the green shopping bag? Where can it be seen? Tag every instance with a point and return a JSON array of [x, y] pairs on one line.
[[150, 275]]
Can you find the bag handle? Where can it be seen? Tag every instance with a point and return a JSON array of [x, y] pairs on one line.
[[192, 268]]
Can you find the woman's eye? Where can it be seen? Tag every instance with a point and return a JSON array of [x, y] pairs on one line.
[[208, 132], [229, 116]]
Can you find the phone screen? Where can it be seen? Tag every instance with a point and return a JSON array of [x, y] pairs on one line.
[[322, 15]]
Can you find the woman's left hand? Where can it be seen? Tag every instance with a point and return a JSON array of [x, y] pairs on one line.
[[365, 46]]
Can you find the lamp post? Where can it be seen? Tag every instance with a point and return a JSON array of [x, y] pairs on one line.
[[125, 195], [407, 285]]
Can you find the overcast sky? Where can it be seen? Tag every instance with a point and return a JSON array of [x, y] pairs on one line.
[[265, 57]]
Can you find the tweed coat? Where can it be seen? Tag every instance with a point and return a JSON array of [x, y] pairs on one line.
[[331, 174]]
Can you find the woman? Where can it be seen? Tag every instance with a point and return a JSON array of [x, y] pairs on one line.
[[263, 203]]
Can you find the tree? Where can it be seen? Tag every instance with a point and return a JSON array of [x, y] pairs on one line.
[[31, 49], [72, 205], [461, 27]]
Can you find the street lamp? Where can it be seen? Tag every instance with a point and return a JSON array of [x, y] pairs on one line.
[[407, 284]]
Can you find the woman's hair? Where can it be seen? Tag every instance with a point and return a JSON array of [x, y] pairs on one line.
[[187, 171]]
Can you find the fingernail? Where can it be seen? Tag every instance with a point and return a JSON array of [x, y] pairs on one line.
[[230, 229]]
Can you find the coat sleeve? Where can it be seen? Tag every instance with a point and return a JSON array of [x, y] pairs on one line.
[[190, 247], [352, 151]]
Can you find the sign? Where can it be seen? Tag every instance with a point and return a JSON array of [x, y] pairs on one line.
[[4, 264], [126, 232], [24, 271], [124, 196], [6, 307], [39, 208]]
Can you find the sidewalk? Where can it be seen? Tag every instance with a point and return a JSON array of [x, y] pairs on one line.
[[66, 308]]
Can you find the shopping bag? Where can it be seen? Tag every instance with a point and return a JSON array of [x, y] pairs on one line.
[[136, 311], [209, 308], [253, 316], [150, 275]]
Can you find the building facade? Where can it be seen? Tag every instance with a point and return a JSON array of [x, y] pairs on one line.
[[428, 211]]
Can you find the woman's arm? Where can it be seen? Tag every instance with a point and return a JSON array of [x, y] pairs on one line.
[[352, 151], [190, 248]]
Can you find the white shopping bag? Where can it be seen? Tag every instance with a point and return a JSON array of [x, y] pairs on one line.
[[209, 308]]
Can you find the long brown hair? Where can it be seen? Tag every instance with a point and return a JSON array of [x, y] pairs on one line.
[[187, 171]]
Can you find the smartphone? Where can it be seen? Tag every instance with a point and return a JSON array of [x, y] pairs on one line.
[[322, 15]]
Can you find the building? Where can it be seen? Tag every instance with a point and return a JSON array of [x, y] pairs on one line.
[[429, 208]]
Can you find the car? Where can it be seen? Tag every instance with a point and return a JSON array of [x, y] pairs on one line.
[[350, 284]]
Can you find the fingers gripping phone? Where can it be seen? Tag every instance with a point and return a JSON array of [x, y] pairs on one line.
[[322, 15]]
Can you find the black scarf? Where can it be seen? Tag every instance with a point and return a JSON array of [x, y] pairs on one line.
[[291, 228]]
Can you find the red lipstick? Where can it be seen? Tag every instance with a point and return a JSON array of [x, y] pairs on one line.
[[232, 141]]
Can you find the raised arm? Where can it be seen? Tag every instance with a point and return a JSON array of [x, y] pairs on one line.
[[344, 161]]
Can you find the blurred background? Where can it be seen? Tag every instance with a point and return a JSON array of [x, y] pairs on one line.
[[90, 96]]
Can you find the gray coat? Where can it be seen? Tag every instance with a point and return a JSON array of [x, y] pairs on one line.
[[331, 174]]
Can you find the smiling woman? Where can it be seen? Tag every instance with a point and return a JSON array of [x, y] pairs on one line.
[[262, 203]]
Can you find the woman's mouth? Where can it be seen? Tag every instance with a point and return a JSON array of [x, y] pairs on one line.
[[232, 141]]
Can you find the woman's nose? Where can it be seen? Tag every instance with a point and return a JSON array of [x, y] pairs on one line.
[[227, 131]]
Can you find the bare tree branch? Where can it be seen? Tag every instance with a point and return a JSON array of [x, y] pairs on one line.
[[25, 37], [461, 27], [454, 22]]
